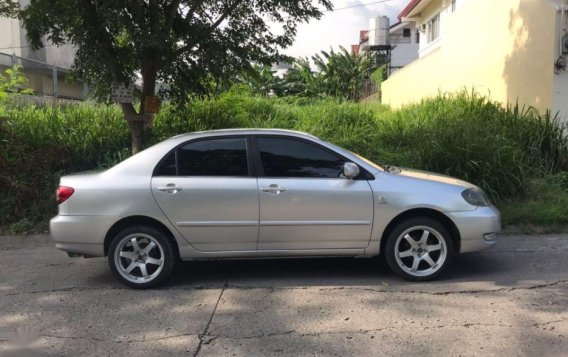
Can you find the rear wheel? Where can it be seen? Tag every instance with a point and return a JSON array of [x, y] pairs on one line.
[[419, 249], [141, 257]]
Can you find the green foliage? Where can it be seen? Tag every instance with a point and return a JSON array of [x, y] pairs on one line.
[[500, 149], [40, 143], [8, 8], [560, 180], [338, 74], [470, 137], [378, 76], [188, 44], [260, 80], [13, 81], [545, 203]]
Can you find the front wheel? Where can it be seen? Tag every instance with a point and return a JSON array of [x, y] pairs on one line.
[[419, 249], [141, 257]]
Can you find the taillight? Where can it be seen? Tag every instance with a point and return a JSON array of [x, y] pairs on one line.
[[63, 193]]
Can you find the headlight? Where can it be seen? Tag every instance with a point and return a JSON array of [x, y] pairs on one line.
[[475, 197]]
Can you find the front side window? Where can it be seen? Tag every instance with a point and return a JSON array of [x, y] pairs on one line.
[[214, 157], [283, 157]]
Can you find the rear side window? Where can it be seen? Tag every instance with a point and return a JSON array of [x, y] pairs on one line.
[[294, 158], [168, 166], [215, 157]]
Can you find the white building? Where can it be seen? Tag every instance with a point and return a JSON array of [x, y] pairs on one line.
[[402, 39], [405, 40], [46, 69]]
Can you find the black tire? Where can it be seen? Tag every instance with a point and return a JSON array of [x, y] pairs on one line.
[[163, 248], [415, 227]]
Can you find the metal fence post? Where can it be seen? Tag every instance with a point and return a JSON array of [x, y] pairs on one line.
[[14, 60], [55, 84]]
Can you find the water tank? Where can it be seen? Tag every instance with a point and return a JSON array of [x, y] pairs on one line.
[[379, 31]]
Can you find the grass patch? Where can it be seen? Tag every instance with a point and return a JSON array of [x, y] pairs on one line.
[[545, 204]]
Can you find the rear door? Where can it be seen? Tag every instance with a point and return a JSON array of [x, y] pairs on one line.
[[207, 190], [305, 203]]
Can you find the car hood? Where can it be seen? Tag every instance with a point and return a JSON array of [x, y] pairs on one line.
[[430, 176]]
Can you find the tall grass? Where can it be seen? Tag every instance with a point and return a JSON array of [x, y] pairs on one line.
[[463, 135]]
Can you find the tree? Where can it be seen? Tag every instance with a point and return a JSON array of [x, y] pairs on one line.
[[338, 74], [8, 8], [189, 44], [342, 73], [301, 80], [260, 80]]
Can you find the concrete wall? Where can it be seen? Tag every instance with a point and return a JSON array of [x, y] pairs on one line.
[[10, 36], [504, 49], [62, 56]]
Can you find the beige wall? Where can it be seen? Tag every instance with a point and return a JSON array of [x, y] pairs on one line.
[[504, 49]]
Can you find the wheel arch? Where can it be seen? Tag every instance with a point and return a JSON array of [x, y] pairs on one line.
[[423, 212], [138, 221]]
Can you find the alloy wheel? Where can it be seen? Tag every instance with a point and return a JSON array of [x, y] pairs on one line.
[[139, 258], [420, 251]]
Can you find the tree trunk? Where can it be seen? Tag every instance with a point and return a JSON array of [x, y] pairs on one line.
[[137, 121], [136, 128]]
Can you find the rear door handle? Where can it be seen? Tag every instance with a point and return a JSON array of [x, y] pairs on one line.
[[273, 189], [170, 188]]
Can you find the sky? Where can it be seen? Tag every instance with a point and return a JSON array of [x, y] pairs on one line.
[[341, 27]]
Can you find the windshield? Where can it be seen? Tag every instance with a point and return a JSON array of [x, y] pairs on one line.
[[374, 164], [379, 166]]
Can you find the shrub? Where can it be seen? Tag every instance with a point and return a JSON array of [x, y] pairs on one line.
[[462, 135]]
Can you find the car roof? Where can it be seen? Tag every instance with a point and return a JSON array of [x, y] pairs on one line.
[[245, 131]]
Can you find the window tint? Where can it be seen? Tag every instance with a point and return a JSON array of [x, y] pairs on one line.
[[217, 157], [168, 166], [294, 158]]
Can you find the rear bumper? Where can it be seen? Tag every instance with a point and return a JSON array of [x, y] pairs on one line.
[[478, 228], [83, 235]]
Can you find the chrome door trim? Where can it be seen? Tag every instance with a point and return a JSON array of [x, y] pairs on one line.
[[315, 223], [217, 224]]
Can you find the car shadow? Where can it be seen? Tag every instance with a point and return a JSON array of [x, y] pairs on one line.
[[305, 272]]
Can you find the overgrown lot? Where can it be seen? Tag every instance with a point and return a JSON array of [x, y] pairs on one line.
[[516, 155]]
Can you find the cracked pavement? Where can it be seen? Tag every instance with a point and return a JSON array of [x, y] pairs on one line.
[[512, 300]]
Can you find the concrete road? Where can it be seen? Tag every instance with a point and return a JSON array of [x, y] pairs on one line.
[[512, 300]]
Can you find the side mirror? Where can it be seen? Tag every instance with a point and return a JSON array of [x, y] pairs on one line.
[[351, 170]]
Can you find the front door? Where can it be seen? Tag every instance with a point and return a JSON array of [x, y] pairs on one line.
[[305, 203], [209, 193]]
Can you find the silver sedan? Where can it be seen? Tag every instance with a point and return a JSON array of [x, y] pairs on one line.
[[266, 193]]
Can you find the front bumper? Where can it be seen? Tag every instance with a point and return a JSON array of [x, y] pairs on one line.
[[84, 235], [478, 228]]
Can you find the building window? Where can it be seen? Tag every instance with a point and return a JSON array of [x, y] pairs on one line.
[[453, 5], [405, 32], [433, 28]]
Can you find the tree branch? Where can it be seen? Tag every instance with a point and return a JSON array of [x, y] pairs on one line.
[[194, 8], [211, 28], [173, 10]]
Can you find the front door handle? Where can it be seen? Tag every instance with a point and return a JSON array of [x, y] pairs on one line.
[[170, 188], [274, 188]]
